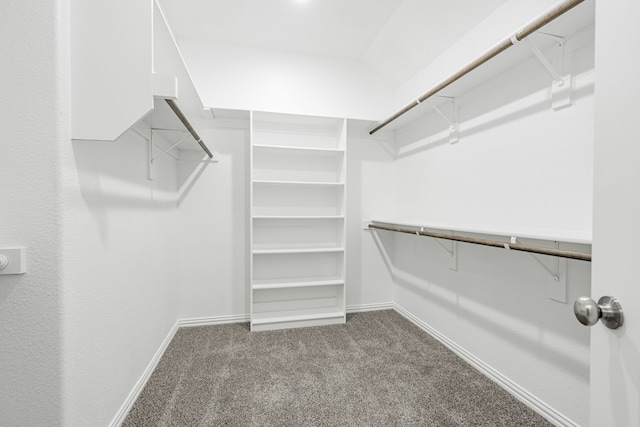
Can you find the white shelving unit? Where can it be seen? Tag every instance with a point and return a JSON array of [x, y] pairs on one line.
[[298, 205]]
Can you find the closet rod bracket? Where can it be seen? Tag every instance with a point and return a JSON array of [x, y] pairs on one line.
[[452, 121], [453, 252], [557, 280], [561, 84]]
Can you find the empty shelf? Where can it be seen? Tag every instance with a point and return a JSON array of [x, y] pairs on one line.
[[307, 183], [296, 283], [298, 149], [295, 316], [275, 251]]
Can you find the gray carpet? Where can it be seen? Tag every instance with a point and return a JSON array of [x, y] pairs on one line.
[[377, 370]]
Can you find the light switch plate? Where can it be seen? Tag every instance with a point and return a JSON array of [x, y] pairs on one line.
[[16, 261]]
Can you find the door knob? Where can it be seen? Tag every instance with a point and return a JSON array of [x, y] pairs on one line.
[[607, 309]]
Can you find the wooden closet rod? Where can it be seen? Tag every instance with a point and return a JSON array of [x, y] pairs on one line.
[[515, 38], [174, 106], [495, 243]]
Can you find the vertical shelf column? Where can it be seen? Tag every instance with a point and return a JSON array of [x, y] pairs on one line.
[[297, 233]]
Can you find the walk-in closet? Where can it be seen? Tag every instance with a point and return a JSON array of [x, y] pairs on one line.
[[319, 213]]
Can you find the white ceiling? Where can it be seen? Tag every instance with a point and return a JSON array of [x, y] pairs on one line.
[[393, 38]]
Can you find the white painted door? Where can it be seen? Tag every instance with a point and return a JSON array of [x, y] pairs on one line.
[[615, 354]]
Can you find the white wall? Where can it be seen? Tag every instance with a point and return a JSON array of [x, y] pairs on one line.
[[518, 165], [370, 193], [213, 228], [35, 119], [120, 252], [243, 78]]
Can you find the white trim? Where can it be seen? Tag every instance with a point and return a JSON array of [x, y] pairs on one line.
[[514, 389], [215, 320], [137, 388], [370, 307], [182, 323]]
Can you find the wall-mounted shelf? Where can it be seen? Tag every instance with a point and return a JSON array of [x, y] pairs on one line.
[[296, 318], [575, 15], [298, 282], [302, 183], [307, 217], [453, 234], [296, 251], [299, 150], [583, 237], [297, 238]]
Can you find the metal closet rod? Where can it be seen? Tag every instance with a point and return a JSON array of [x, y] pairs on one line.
[[582, 256], [515, 38], [174, 106]]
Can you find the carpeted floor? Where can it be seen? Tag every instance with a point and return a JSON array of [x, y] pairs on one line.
[[377, 370]]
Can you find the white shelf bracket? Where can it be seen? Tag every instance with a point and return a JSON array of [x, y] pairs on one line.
[[451, 122], [555, 276], [149, 139], [150, 167], [557, 280], [561, 85], [176, 144], [453, 252]]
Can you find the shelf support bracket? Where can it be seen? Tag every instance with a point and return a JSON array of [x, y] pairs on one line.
[[149, 139], [453, 252], [557, 280], [561, 85], [451, 122]]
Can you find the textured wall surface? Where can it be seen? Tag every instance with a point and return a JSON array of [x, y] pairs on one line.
[[518, 165], [213, 215], [120, 271], [34, 118]]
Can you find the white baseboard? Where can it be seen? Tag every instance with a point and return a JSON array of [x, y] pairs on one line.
[[216, 320], [137, 388], [514, 389], [182, 323], [370, 307]]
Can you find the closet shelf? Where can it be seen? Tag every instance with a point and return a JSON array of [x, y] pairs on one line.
[[299, 282], [568, 236], [294, 217], [297, 236], [296, 251], [511, 40], [295, 316], [299, 150], [300, 183]]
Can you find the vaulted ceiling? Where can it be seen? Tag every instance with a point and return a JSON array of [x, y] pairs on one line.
[[393, 38]]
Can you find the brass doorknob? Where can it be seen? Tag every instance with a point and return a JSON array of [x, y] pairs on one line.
[[607, 309]]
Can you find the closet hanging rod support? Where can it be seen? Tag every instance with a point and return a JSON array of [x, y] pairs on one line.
[[554, 276], [174, 106], [516, 37], [555, 75], [487, 242]]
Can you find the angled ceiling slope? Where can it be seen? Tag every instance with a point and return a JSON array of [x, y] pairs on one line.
[[393, 38]]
